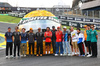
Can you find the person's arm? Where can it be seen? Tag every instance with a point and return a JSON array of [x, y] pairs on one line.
[[96, 35], [5, 39]]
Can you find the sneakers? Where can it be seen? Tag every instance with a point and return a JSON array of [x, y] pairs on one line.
[[49, 52], [56, 54], [6, 57], [89, 55], [64, 54], [61, 54], [69, 54], [11, 56], [45, 52]]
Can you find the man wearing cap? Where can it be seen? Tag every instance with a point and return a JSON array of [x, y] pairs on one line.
[[65, 41], [9, 42], [23, 46], [59, 37], [31, 37], [48, 36], [39, 37], [54, 38], [17, 40]]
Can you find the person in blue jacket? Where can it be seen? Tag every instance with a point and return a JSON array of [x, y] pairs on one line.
[[80, 42]]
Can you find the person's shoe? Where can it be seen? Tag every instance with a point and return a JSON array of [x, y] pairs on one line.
[[45, 52], [93, 56], [64, 54], [24, 55], [73, 53], [49, 52], [83, 55], [69, 55], [89, 55], [61, 54], [6, 57], [40, 54], [37, 55], [56, 54], [11, 56], [14, 57]]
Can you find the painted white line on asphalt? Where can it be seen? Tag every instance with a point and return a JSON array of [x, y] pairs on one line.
[[7, 22]]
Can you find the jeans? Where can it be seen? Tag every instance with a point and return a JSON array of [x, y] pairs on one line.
[[54, 45], [59, 44], [66, 44]]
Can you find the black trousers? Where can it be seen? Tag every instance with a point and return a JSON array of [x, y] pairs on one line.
[[41, 48], [89, 46], [31, 44], [94, 49], [81, 48], [16, 45], [9, 45], [54, 45]]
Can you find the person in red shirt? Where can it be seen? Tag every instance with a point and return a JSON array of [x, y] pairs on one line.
[[48, 35], [59, 36]]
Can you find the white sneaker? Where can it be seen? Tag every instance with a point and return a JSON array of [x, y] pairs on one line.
[[89, 55], [24, 55], [73, 53], [46, 52], [64, 54], [56, 54], [69, 55], [49, 52], [61, 54], [6, 57], [11, 56]]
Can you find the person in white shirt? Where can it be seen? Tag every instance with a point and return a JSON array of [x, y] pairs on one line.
[[80, 42], [74, 38]]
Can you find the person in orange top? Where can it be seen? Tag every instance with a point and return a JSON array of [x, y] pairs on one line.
[[59, 36], [48, 35], [85, 36]]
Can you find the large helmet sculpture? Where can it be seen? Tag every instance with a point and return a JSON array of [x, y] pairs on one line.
[[39, 19]]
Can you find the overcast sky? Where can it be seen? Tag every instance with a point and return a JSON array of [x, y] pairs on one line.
[[38, 3]]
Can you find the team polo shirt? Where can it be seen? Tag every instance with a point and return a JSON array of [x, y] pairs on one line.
[[24, 37], [93, 35], [59, 35], [16, 36], [8, 36], [48, 33], [88, 35], [31, 37], [39, 36]]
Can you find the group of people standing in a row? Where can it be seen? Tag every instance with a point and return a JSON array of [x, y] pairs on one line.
[[73, 40]]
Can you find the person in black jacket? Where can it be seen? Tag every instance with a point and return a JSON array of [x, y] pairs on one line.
[[53, 38], [39, 37]]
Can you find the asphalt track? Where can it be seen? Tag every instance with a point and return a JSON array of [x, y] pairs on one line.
[[48, 60]]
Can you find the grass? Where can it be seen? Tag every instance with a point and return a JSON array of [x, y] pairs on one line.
[[10, 19]]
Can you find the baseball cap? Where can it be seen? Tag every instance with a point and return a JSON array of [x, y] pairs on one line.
[[31, 28], [64, 27], [53, 26], [9, 27], [58, 27], [85, 25]]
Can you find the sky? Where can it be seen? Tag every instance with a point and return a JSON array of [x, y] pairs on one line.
[[38, 3]]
